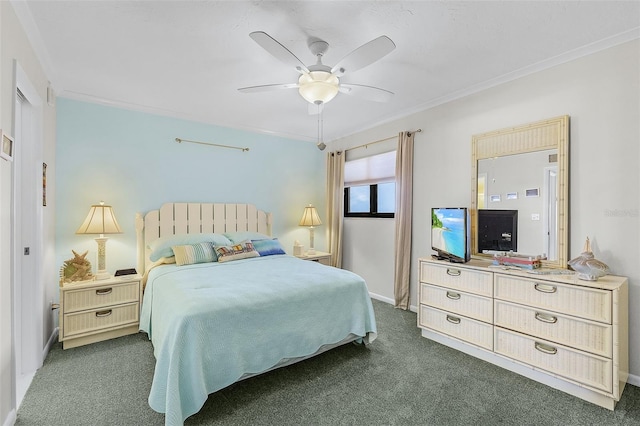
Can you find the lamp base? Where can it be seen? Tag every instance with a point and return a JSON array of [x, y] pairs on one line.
[[102, 275], [311, 251]]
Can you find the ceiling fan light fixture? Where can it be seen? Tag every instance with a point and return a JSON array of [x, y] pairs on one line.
[[318, 86]]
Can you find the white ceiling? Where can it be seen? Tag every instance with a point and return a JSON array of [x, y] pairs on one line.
[[188, 58]]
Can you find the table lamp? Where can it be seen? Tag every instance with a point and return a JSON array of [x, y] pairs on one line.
[[100, 220], [311, 219]]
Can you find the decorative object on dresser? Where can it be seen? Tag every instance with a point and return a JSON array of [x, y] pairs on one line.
[[76, 269], [100, 220], [99, 310], [588, 267], [568, 334], [311, 219]]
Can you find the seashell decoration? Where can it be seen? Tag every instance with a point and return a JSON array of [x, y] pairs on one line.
[[587, 266]]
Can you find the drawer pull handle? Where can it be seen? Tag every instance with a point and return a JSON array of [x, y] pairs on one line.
[[103, 291], [545, 288], [101, 314], [453, 296], [453, 320], [546, 348], [453, 272], [546, 318]]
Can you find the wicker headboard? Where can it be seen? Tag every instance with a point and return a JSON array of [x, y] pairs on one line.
[[196, 218]]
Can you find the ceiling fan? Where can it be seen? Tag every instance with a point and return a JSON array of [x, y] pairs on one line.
[[319, 83]]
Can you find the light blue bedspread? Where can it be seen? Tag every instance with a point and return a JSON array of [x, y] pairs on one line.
[[212, 323]]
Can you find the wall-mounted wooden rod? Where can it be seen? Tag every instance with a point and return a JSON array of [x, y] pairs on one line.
[[212, 144], [364, 145]]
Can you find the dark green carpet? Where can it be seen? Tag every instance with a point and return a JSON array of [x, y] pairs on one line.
[[400, 379]]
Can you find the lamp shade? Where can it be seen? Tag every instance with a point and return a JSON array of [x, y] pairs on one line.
[[310, 217], [318, 86], [100, 220]]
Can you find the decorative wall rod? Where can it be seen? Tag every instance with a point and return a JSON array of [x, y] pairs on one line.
[[211, 144], [365, 145]]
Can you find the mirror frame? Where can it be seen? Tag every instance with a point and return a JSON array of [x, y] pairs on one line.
[[538, 136]]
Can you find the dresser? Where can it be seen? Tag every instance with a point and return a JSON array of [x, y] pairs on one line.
[[99, 310], [567, 333]]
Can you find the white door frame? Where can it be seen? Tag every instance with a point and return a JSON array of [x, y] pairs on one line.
[[27, 231]]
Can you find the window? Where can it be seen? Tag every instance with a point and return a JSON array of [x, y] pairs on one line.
[[370, 187]]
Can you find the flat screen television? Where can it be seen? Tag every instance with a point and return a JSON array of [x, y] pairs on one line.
[[497, 230], [451, 233]]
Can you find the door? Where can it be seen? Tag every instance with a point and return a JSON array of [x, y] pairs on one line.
[[28, 291]]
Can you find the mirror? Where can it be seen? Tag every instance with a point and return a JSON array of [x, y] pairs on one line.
[[519, 180]]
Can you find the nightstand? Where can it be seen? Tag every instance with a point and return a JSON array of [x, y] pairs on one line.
[[99, 310], [320, 257]]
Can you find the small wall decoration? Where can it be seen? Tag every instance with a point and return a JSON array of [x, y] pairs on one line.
[[494, 198], [512, 195], [44, 184], [533, 192], [6, 150]]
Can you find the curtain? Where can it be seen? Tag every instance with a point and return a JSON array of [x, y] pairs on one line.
[[335, 205], [403, 217]]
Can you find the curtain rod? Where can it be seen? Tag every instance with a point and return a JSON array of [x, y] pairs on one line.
[[212, 144], [379, 140]]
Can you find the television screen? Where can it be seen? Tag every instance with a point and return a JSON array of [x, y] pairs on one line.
[[497, 230], [450, 233]]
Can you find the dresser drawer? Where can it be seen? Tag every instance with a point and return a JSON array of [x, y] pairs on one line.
[[584, 302], [582, 367], [590, 336], [95, 297], [469, 280], [100, 319], [463, 328], [467, 304]]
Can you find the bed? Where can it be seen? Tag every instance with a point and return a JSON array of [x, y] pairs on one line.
[[252, 309]]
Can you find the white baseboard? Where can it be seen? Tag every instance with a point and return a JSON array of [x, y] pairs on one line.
[[390, 301], [11, 418], [633, 380], [53, 338]]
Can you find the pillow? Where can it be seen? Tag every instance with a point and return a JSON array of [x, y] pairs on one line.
[[194, 253], [268, 247], [242, 250], [238, 237], [162, 246]]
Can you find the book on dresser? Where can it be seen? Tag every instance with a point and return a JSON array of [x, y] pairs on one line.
[[556, 329]]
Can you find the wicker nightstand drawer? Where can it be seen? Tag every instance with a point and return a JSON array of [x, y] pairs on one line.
[[100, 319], [102, 295]]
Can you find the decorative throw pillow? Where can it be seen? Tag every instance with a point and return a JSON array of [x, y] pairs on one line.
[[242, 250], [194, 253], [162, 247], [268, 247]]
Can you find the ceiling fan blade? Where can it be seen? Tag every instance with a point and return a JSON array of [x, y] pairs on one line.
[[267, 87], [364, 55], [274, 47], [369, 93]]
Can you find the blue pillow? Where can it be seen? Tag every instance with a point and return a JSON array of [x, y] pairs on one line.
[[268, 247], [162, 246]]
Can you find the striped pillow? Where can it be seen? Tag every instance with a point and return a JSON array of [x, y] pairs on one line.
[[194, 253]]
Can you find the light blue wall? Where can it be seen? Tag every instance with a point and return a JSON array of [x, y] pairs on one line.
[[131, 161]]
